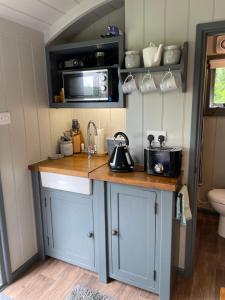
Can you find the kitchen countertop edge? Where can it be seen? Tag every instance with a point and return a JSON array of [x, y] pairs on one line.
[[136, 178], [58, 166], [102, 172]]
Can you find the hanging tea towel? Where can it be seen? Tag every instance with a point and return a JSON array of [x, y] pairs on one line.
[[183, 212]]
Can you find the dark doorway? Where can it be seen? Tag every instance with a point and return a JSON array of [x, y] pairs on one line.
[[203, 31]]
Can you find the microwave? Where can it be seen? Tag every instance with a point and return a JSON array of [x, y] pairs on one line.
[[91, 85]]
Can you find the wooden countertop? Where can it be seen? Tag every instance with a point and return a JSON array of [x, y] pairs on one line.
[[136, 178], [97, 168], [77, 165]]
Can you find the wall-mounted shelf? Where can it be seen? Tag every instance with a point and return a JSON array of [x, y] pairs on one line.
[[181, 67], [60, 53]]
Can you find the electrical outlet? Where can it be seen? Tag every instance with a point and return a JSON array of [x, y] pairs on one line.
[[156, 134], [5, 118]]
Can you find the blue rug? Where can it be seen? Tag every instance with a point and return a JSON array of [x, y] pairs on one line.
[[82, 293]]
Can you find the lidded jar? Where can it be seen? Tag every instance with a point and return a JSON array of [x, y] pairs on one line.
[[66, 148], [132, 59], [171, 55]]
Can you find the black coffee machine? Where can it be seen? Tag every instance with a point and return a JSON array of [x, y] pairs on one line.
[[121, 160], [162, 161]]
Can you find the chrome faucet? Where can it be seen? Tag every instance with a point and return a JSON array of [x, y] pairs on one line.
[[90, 149]]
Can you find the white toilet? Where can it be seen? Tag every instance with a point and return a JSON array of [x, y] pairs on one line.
[[217, 200]]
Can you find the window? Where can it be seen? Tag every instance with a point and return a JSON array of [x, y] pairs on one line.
[[217, 98], [215, 86]]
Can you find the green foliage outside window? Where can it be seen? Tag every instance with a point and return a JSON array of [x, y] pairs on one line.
[[219, 86]]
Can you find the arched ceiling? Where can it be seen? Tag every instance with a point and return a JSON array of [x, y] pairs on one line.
[[52, 17]]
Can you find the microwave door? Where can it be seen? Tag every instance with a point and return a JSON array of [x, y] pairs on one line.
[[83, 86]]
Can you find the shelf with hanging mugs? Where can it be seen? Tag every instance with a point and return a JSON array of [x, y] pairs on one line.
[[181, 68]]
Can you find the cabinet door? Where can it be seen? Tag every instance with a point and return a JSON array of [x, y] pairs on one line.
[[70, 228], [132, 235]]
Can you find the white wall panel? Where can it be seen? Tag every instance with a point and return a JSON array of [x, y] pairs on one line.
[[12, 84], [219, 7], [60, 120], [197, 15], [134, 28], [7, 177], [174, 102], [29, 101], [117, 120], [42, 98], [32, 134], [154, 26]]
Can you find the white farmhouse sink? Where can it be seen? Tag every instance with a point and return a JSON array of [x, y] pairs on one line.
[[67, 183]]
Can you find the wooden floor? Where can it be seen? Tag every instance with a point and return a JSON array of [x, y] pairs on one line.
[[52, 280], [209, 272]]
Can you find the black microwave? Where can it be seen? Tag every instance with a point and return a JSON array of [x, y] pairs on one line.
[[99, 85]]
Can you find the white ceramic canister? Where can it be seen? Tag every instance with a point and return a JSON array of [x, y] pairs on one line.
[[132, 59], [66, 148], [171, 55], [152, 55], [100, 141]]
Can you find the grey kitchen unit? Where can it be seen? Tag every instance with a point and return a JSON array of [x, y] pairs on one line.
[[131, 231], [123, 232], [68, 222]]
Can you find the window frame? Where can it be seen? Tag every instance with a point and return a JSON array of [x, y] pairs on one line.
[[209, 91]]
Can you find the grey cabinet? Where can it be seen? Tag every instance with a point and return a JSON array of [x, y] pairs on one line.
[[123, 232], [69, 227], [132, 235]]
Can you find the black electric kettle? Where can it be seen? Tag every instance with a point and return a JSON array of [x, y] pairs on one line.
[[121, 160]]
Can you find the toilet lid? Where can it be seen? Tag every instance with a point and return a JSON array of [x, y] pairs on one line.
[[217, 195]]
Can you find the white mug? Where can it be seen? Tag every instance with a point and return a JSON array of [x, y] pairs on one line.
[[148, 84], [129, 85], [168, 82]]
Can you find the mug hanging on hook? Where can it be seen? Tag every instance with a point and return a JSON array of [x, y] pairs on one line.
[[169, 82], [129, 84], [148, 84]]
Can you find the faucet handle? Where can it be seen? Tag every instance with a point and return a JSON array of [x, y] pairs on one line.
[[92, 149]]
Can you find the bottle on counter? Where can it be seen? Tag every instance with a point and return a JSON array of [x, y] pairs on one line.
[[61, 97], [82, 147], [100, 141], [76, 136]]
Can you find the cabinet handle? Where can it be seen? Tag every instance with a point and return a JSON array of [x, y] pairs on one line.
[[114, 232], [90, 235]]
